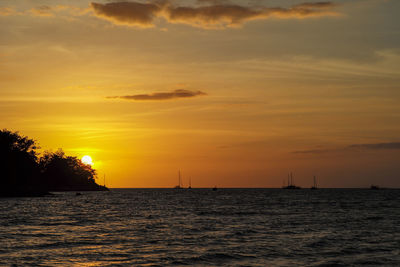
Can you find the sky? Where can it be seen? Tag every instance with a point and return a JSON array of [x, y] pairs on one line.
[[231, 93]]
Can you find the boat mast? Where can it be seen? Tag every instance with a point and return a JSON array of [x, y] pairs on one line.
[[179, 174], [291, 178], [315, 182], [104, 180]]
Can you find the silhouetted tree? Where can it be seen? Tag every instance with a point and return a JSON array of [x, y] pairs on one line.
[[61, 171], [23, 173], [18, 161]]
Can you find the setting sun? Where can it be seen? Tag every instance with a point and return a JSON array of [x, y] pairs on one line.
[[87, 160]]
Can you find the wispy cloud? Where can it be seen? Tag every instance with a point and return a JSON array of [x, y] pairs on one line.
[[214, 14], [181, 93], [354, 147]]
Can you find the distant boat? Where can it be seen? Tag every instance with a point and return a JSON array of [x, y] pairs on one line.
[[292, 187], [214, 188], [104, 186], [290, 184], [190, 183], [179, 186], [374, 187], [314, 187]]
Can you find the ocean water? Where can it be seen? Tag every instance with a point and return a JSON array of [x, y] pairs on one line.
[[201, 227]]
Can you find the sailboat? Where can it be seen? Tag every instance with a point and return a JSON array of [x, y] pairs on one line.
[[314, 187], [190, 183], [104, 184], [179, 186], [290, 184]]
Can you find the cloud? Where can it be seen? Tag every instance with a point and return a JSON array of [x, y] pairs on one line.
[[214, 14], [181, 93], [127, 13], [226, 15], [355, 147], [303, 11], [207, 14]]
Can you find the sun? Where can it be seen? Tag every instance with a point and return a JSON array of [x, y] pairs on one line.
[[87, 160]]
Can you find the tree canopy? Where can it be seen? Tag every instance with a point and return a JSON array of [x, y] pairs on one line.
[[69, 171], [18, 160], [22, 170]]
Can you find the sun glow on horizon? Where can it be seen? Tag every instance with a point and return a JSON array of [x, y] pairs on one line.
[[87, 160]]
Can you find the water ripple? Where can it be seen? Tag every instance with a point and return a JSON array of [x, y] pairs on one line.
[[201, 227]]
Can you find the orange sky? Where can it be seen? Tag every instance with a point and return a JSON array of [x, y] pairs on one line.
[[233, 94]]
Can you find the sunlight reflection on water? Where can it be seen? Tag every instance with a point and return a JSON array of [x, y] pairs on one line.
[[228, 227]]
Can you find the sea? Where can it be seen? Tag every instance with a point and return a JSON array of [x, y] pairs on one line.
[[202, 227]]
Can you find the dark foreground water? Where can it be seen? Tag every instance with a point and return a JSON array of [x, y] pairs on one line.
[[230, 227]]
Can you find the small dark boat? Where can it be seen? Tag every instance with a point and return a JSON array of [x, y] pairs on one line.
[[179, 186], [290, 184], [78, 194], [374, 187], [314, 187], [292, 187], [214, 188]]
